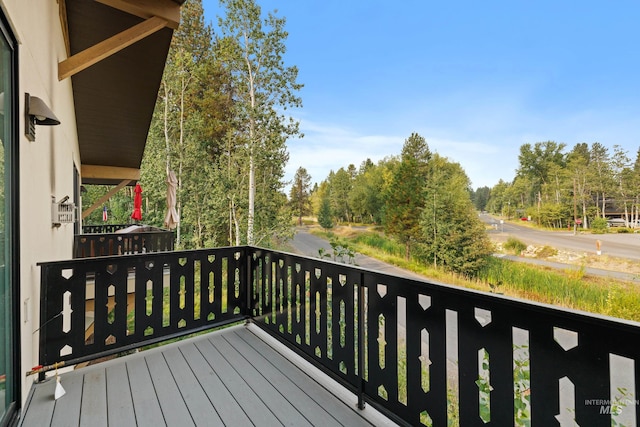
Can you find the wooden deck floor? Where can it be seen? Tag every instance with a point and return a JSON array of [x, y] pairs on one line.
[[226, 378]]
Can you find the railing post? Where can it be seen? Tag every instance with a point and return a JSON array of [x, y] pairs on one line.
[[248, 279], [361, 326], [42, 331]]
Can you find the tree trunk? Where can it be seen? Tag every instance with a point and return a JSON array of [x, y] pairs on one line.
[[237, 225], [252, 197]]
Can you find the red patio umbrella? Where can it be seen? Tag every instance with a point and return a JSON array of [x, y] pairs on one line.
[[137, 204]]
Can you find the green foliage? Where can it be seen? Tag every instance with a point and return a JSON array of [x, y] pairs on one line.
[[546, 252], [538, 164], [514, 246], [341, 251], [555, 187], [252, 48], [299, 194], [522, 386], [484, 387], [227, 153], [366, 199], [404, 198], [599, 226], [325, 216], [552, 215], [423, 201], [119, 206], [452, 235], [480, 198], [379, 242], [340, 185]]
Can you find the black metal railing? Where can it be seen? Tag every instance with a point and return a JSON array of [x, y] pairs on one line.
[[424, 353], [103, 228], [106, 244], [95, 307]]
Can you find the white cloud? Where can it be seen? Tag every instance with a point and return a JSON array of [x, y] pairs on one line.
[[329, 147]]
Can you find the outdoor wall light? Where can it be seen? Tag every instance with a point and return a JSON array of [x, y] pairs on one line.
[[37, 113]]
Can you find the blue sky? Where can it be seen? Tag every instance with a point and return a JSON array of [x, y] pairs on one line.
[[476, 79]]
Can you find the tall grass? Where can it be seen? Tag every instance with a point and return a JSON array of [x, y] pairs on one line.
[[594, 294], [570, 289], [379, 242], [514, 245]]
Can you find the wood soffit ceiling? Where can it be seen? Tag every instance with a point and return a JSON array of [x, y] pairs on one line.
[[115, 94]]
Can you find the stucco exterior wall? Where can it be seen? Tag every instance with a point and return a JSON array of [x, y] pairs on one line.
[[46, 165]]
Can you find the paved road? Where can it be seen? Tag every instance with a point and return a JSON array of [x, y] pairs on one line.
[[305, 243], [617, 245]]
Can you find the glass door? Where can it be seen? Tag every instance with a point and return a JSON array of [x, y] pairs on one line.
[[9, 349]]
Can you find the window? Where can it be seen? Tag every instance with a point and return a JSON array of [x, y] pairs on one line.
[[9, 344]]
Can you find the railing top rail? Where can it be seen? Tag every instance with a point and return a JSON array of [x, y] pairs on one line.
[[494, 298], [543, 308], [69, 263], [126, 234]]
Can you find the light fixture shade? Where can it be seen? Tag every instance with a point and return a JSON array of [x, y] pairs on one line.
[[42, 113], [37, 113]]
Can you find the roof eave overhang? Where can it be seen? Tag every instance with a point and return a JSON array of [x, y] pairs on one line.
[[117, 50]]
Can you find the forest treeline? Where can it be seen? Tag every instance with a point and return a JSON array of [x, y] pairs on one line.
[[426, 201], [555, 186], [220, 124], [420, 198]]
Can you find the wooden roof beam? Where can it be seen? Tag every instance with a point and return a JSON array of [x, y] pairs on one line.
[[108, 47], [168, 10], [104, 198], [109, 173], [62, 12]]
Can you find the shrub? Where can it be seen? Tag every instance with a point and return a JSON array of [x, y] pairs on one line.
[[546, 252], [599, 226], [515, 246]]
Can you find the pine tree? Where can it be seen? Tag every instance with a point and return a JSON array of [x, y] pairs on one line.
[[299, 194], [404, 196], [325, 217]]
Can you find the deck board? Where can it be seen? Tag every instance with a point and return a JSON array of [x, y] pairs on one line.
[[167, 392], [224, 378], [201, 408], [68, 412], [144, 396], [271, 395], [281, 371], [120, 411], [228, 408], [252, 405], [93, 411], [40, 405]]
